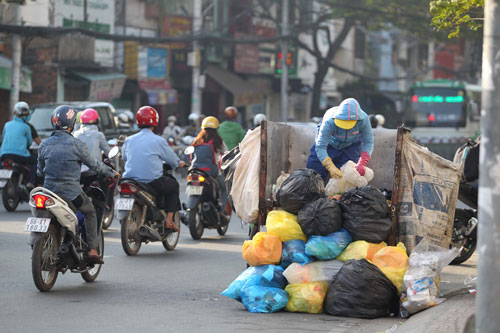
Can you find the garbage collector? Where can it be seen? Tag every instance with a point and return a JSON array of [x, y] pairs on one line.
[[344, 134]]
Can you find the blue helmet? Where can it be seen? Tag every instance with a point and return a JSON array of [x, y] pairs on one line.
[[22, 110], [64, 117]]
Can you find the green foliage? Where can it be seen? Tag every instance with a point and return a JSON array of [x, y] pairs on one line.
[[453, 15]]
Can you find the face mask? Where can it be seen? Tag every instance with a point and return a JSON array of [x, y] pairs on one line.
[[171, 124]]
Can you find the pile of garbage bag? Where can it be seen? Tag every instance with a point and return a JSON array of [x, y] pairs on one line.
[[323, 255]]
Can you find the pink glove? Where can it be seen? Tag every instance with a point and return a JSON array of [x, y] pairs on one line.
[[363, 161]]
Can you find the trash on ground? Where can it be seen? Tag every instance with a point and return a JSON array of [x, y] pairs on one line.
[[328, 247], [294, 251], [361, 250], [260, 299], [316, 271], [263, 249], [320, 217], [284, 225], [393, 262], [306, 297]]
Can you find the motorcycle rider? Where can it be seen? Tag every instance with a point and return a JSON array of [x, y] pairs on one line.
[[257, 119], [208, 148], [172, 130], [17, 139], [230, 130], [90, 135], [344, 134], [59, 159], [144, 154]]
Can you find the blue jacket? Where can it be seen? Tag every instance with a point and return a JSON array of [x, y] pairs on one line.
[[144, 154], [16, 138], [60, 158], [205, 159], [338, 138]]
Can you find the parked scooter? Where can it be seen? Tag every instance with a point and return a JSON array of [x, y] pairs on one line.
[[204, 207], [464, 236], [142, 221]]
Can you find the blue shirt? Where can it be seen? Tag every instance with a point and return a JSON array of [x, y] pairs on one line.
[[339, 138], [144, 154], [16, 138], [60, 158]]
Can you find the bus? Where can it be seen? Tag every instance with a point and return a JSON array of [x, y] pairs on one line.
[[443, 114]]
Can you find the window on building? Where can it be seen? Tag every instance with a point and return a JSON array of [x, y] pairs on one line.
[[359, 44]]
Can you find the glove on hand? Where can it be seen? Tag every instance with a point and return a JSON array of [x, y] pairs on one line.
[[332, 169], [363, 161]]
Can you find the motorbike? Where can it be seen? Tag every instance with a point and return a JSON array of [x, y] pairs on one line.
[[464, 236], [203, 209], [14, 177], [142, 221]]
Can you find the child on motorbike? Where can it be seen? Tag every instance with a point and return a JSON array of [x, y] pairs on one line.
[[90, 135], [208, 148], [59, 159]]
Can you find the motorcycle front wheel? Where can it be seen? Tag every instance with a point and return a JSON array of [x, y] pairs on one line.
[[109, 214], [467, 245], [10, 195], [195, 223], [131, 241], [170, 242], [44, 260], [92, 273]]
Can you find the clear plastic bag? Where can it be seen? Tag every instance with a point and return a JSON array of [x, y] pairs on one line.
[[351, 179], [315, 271], [421, 279]]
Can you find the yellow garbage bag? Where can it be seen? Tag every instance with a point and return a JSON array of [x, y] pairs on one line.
[[361, 250], [392, 261], [284, 225], [306, 297], [263, 249]]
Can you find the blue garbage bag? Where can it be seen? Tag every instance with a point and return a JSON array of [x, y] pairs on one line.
[[265, 275], [259, 299], [328, 247], [294, 251]]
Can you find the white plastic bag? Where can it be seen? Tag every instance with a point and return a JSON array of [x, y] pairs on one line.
[[315, 271], [245, 189], [351, 179], [421, 279]]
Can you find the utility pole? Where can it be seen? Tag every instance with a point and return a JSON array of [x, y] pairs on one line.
[[196, 94], [488, 300], [284, 65], [85, 14], [16, 61]]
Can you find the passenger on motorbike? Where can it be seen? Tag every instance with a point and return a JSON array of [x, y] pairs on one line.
[[208, 148], [172, 130], [230, 130], [144, 154], [89, 134], [17, 139], [59, 160]]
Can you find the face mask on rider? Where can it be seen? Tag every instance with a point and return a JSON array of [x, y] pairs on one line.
[[171, 124]]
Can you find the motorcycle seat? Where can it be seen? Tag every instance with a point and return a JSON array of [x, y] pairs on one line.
[[142, 186]]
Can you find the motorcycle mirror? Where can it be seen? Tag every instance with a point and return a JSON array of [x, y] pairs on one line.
[[189, 150], [113, 152]]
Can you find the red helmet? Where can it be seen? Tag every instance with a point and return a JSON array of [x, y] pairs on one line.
[[89, 116], [146, 116]]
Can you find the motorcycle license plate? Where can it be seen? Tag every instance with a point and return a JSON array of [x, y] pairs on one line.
[[124, 203], [5, 174], [37, 224], [194, 190]]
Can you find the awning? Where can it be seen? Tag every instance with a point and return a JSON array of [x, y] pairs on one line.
[[159, 91], [243, 91], [104, 86], [5, 75]]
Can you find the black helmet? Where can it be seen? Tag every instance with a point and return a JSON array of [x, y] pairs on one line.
[[373, 120], [63, 117]]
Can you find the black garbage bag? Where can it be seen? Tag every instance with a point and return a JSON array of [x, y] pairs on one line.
[[320, 217], [303, 186], [365, 214], [361, 290]]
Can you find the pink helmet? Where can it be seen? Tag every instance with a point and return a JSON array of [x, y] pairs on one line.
[[89, 116]]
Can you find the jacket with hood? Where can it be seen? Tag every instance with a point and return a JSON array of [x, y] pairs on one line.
[[339, 138], [231, 133], [95, 140]]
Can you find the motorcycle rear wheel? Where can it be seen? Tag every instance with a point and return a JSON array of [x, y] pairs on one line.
[[44, 259], [109, 214], [466, 249], [91, 274], [222, 229], [172, 239], [129, 228], [195, 223], [10, 195]]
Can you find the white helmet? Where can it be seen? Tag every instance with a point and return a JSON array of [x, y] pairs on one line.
[[22, 109], [123, 117], [194, 117], [258, 118], [172, 118], [380, 119]]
